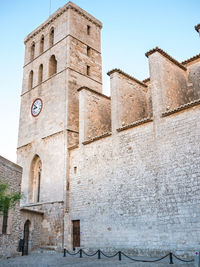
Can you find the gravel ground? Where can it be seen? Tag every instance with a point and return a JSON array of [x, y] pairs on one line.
[[47, 259]]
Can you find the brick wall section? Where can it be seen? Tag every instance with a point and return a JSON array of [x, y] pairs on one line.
[[11, 174]]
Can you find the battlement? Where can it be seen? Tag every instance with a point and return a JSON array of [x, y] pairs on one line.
[[172, 87]]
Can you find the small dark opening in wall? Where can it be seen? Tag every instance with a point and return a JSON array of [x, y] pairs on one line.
[[88, 70], [67, 186], [88, 51], [75, 169], [88, 30]]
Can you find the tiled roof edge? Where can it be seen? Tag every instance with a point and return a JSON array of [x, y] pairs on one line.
[[127, 75], [162, 52]]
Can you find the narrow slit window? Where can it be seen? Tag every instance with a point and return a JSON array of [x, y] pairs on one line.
[[51, 37], [5, 223], [42, 44], [30, 81], [88, 70], [52, 65], [32, 51], [88, 30], [88, 51], [40, 74]]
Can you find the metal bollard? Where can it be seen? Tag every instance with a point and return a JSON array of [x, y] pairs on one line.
[[81, 253], [99, 254], [197, 259], [64, 252], [120, 255], [170, 258]]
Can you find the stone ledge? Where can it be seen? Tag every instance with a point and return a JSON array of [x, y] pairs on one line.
[[93, 91], [191, 59], [40, 203], [73, 147], [134, 124], [96, 138], [182, 107], [162, 52], [34, 211], [126, 75]]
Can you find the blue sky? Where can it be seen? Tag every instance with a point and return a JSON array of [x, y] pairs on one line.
[[130, 28]]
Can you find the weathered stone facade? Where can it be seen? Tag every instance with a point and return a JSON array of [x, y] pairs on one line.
[[11, 174], [125, 166]]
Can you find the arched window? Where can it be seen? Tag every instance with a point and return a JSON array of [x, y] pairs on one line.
[[30, 80], [52, 65], [32, 51], [42, 44], [35, 180], [51, 37], [40, 73]]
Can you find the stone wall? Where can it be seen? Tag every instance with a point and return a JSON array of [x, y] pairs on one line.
[[94, 116], [11, 174], [138, 189]]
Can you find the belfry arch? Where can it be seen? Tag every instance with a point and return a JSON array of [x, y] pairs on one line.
[[35, 180]]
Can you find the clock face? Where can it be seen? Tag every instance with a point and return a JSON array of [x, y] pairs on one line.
[[36, 107]]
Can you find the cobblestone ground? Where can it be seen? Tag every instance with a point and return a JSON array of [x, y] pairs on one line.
[[56, 259]]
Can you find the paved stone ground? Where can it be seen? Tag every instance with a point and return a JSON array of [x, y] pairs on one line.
[[56, 259]]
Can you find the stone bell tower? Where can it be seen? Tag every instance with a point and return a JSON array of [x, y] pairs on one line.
[[61, 55]]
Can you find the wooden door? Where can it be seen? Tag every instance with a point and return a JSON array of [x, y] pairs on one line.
[[26, 236], [76, 233]]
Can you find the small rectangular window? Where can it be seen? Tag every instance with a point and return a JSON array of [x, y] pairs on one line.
[[88, 51], [88, 70], [5, 223], [88, 29]]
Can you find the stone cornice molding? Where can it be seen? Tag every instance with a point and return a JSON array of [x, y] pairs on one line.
[[58, 13], [162, 52], [93, 91], [182, 107], [96, 138], [134, 124], [189, 60], [126, 75]]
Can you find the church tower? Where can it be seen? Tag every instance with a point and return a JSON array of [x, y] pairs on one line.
[[61, 55]]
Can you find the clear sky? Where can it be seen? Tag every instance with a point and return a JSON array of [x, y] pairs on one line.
[[130, 28]]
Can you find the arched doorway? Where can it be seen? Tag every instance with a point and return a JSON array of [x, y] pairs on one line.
[[26, 236]]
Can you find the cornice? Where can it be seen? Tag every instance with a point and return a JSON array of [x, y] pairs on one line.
[[134, 124], [93, 91], [96, 138], [182, 107], [162, 52], [146, 80], [126, 75], [58, 13], [185, 62]]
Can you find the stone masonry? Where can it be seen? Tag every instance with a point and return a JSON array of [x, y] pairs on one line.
[[10, 173], [125, 166]]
